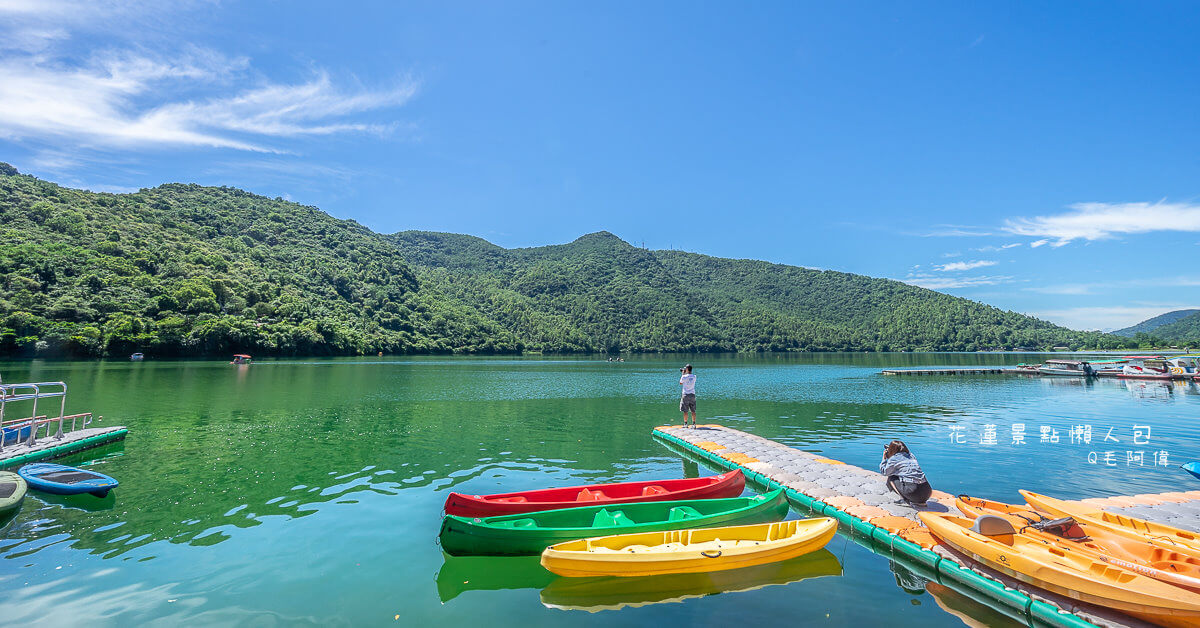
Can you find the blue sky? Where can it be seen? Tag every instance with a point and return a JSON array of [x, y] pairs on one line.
[[1038, 158]]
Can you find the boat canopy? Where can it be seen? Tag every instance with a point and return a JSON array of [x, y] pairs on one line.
[[240, 355], [1066, 362]]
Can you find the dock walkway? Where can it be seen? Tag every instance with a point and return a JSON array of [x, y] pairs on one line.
[[960, 371], [860, 501], [46, 448]]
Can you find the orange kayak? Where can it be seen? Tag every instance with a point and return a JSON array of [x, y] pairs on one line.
[[1162, 561], [1095, 516], [1066, 571]]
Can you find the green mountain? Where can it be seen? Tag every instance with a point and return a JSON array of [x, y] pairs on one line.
[[600, 293], [1150, 325], [191, 270], [186, 270], [1185, 329]]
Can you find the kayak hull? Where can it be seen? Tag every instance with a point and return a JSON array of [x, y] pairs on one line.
[[1162, 561], [59, 479], [729, 484], [689, 551], [1192, 468], [1059, 569], [530, 533], [12, 493], [1113, 521]]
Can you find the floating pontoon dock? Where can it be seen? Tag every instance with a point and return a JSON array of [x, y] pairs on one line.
[[866, 509], [41, 437], [962, 371]]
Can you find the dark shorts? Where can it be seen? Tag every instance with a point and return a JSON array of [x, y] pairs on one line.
[[911, 492], [687, 403]]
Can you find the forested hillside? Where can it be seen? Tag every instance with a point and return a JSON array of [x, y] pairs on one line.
[[1149, 325], [1185, 330], [186, 270], [191, 270], [601, 293]]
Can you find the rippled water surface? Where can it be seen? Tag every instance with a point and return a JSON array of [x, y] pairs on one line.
[[310, 491]]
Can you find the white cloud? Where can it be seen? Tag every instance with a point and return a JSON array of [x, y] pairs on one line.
[[1002, 247], [126, 99], [954, 231], [1098, 221], [942, 282], [1107, 317], [953, 254], [958, 266]]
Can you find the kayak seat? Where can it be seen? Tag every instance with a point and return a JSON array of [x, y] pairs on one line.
[[654, 489], [512, 500], [681, 513], [524, 523], [991, 525], [587, 495], [611, 518]]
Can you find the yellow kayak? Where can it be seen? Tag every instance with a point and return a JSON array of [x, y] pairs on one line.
[[1063, 570], [1112, 521], [689, 551]]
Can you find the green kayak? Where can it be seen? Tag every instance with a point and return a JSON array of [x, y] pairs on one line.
[[532, 532], [12, 493]]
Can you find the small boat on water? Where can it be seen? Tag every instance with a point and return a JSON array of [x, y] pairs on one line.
[[1184, 366], [242, 358], [1062, 569], [1192, 467], [713, 487], [1107, 368], [1095, 516], [1152, 367], [63, 480], [1167, 562], [12, 493], [530, 533], [136, 357], [1070, 368], [689, 551]]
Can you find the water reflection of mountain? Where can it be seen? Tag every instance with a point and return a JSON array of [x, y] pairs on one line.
[[603, 594]]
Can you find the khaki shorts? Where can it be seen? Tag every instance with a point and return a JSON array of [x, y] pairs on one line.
[[687, 403]]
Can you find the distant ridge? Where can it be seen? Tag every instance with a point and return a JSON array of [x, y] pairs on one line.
[[1151, 324], [190, 270]]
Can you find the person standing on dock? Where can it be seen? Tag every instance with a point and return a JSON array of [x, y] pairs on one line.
[[687, 402], [904, 475]]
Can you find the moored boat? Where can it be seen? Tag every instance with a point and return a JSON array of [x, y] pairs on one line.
[[63, 480], [1151, 367], [1192, 467], [1167, 562], [530, 533], [1113, 521], [242, 358], [1070, 368], [720, 486], [1064, 570], [689, 551], [12, 493]]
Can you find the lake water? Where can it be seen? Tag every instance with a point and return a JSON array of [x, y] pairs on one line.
[[310, 491]]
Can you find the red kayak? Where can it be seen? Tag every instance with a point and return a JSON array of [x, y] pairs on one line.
[[712, 487]]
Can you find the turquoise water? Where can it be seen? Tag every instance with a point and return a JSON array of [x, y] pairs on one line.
[[309, 491]]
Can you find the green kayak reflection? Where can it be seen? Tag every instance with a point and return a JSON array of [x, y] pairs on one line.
[[460, 574], [607, 593]]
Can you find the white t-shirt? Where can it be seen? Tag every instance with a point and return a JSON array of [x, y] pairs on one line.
[[689, 384]]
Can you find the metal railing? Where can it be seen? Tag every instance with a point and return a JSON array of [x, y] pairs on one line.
[[24, 431]]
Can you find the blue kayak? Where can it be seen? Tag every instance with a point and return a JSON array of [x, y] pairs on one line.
[[1193, 468], [63, 480]]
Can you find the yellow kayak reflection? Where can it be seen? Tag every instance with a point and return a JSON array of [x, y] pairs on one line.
[[612, 593]]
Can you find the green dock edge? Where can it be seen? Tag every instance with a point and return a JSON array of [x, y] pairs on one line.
[[65, 449], [1032, 610]]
